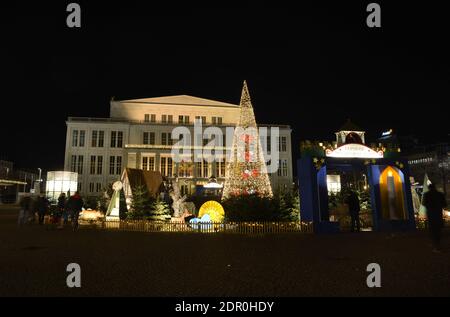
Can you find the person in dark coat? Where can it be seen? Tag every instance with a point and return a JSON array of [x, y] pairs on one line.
[[353, 208], [434, 203], [41, 208], [75, 205], [62, 207]]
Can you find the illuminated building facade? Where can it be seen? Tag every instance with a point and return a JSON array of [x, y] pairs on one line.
[[138, 134]]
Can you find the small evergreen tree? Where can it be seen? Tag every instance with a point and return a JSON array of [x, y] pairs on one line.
[[122, 206], [160, 210], [141, 203]]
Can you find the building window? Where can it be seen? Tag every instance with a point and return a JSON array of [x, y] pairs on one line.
[[216, 120], [112, 164], [116, 139], [201, 119], [285, 168], [164, 118], [93, 159], [166, 166], [219, 170], [99, 187], [99, 165], [94, 138], [148, 163], [169, 118], [145, 138], [73, 163], [149, 138], [78, 138], [150, 118], [166, 138], [183, 119], [79, 187], [91, 187], [205, 169], [113, 138], [118, 165], [98, 138], [82, 137], [80, 164], [101, 138], [282, 144], [119, 139], [75, 138], [185, 169]]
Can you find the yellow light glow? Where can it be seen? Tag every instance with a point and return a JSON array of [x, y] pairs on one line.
[[213, 209]]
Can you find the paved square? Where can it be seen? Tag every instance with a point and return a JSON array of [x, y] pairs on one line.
[[33, 263]]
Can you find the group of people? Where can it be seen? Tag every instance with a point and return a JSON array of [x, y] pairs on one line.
[[434, 202], [71, 207]]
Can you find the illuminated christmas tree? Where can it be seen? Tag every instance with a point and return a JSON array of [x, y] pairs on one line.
[[246, 171]]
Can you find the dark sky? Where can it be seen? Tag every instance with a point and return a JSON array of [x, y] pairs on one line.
[[310, 66]]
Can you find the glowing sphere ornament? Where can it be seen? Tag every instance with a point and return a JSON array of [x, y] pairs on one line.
[[213, 209]]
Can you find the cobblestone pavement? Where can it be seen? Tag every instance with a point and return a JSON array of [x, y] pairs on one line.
[[33, 262]]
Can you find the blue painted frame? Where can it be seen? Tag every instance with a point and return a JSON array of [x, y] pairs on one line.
[[314, 193]]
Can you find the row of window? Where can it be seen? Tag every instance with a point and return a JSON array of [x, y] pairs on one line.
[[96, 164], [182, 119], [97, 138], [149, 138], [185, 169]]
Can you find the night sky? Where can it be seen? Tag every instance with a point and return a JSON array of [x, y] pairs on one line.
[[311, 66]]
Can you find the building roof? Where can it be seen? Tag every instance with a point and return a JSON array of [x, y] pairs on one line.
[[185, 100], [152, 180], [350, 126]]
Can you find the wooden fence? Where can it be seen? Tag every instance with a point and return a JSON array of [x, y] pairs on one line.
[[206, 227]]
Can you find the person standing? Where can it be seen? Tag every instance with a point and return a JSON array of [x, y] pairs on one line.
[[41, 208], [354, 209], [62, 210], [434, 203], [25, 210], [75, 205]]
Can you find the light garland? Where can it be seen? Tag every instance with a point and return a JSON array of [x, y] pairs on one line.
[[246, 172]]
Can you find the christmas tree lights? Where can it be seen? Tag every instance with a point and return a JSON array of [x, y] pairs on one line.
[[246, 172]]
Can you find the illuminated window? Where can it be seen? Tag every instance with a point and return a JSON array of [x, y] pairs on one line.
[[166, 166], [148, 163]]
